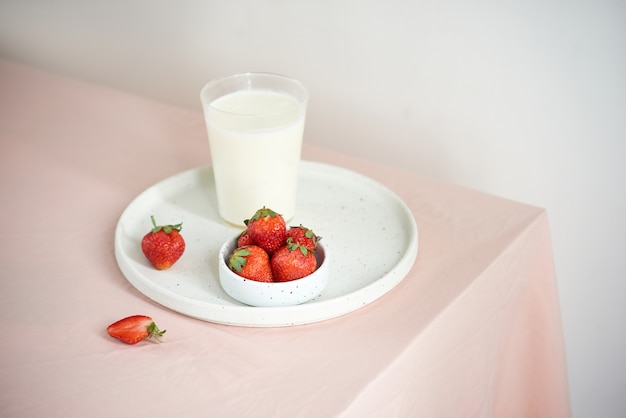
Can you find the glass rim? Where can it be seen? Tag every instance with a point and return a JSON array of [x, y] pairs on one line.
[[301, 98]]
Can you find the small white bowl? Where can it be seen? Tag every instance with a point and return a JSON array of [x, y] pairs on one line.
[[266, 294]]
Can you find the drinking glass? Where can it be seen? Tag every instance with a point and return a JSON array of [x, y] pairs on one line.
[[255, 124]]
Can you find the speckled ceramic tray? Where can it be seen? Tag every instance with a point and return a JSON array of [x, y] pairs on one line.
[[369, 234]]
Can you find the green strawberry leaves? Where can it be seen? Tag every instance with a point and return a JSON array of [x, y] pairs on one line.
[[261, 213], [165, 228], [238, 259], [293, 246], [154, 332]]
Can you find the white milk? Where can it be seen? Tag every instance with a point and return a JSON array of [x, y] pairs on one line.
[[255, 157]]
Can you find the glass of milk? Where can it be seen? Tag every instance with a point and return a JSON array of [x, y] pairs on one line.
[[255, 123]]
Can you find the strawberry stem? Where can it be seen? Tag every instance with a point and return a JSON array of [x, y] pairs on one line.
[[262, 213], [166, 228], [154, 332], [238, 259]]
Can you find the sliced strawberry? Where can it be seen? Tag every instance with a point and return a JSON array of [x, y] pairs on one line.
[[134, 329]]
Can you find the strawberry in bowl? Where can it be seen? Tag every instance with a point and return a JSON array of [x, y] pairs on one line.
[[291, 271]]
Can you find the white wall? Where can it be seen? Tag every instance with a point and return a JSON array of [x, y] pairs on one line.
[[524, 99]]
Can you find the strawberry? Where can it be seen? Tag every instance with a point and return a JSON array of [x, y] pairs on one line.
[[251, 262], [244, 239], [303, 236], [267, 229], [163, 245], [292, 261], [135, 328]]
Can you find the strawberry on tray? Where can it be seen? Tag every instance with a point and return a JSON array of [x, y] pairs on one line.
[[163, 245]]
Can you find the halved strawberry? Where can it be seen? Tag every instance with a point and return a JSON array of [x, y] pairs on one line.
[[134, 329]]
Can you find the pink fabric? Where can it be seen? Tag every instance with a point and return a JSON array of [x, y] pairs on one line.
[[473, 331]]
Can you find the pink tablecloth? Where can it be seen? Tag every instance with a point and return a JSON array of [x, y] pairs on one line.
[[474, 330]]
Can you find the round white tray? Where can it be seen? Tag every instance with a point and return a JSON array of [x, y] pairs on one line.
[[369, 234]]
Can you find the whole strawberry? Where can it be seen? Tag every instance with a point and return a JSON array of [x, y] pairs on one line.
[[251, 262], [292, 261], [303, 236], [244, 239], [164, 245], [135, 328], [267, 229]]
